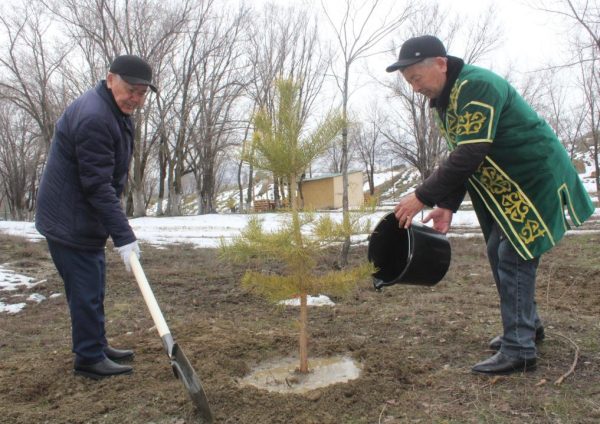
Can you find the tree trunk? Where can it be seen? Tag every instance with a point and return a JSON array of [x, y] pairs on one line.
[[292, 181], [208, 189], [303, 334], [137, 186], [250, 190], [162, 177], [596, 151], [240, 187], [344, 163], [371, 179], [276, 197]]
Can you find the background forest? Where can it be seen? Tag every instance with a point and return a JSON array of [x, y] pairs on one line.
[[218, 62]]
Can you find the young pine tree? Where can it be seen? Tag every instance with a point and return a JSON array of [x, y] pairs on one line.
[[279, 147]]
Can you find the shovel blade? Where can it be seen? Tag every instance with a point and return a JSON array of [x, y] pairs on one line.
[[183, 371]]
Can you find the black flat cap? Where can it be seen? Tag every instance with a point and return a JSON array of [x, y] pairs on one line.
[[417, 49], [133, 69]]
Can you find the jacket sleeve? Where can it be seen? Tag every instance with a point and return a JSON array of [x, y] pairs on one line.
[[95, 150], [446, 186]]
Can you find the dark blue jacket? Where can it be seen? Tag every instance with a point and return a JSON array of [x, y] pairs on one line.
[[78, 200]]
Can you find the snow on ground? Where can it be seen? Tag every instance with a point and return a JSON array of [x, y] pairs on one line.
[[10, 281], [320, 300], [207, 231]]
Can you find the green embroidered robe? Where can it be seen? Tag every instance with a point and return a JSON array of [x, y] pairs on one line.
[[527, 182]]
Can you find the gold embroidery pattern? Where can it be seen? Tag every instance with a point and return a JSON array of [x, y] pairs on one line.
[[470, 123], [465, 124], [453, 99], [514, 205], [531, 231], [451, 116], [494, 181]]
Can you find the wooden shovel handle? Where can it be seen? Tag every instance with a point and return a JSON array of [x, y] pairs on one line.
[[157, 316]]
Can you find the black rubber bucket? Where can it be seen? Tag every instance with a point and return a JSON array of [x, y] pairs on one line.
[[418, 255]]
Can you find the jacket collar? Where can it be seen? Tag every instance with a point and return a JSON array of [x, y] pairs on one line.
[[455, 65], [107, 95]]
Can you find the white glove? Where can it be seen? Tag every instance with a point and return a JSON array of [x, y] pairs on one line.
[[126, 250]]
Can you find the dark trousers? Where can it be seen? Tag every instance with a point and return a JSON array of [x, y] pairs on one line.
[[83, 273]]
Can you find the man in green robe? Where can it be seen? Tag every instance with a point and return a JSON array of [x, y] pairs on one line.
[[518, 176]]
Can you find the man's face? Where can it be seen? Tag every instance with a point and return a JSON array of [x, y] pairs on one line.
[[128, 97], [428, 77]]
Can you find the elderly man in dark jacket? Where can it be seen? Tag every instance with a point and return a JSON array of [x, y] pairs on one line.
[[78, 205]]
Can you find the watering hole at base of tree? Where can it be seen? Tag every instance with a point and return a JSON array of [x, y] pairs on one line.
[[281, 376]]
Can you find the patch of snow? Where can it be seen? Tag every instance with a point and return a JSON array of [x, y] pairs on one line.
[[36, 297], [11, 281], [11, 308], [320, 300]]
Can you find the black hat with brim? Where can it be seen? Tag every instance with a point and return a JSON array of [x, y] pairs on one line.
[[133, 69], [416, 50]]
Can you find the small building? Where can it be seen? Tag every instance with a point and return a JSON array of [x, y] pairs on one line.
[[325, 192]]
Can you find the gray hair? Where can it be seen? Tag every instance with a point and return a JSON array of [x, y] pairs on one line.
[[428, 61]]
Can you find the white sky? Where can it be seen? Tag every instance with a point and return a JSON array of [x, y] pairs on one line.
[[532, 38]]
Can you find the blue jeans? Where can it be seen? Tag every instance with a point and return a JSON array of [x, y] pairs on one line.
[[515, 281], [83, 273]]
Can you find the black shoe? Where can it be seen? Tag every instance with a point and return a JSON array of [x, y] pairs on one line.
[[118, 354], [102, 369], [496, 342], [500, 364]]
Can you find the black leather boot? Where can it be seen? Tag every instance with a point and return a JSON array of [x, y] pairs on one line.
[[102, 369], [501, 364], [118, 354]]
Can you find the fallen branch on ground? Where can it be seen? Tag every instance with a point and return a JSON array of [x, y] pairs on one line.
[[381, 413], [560, 379]]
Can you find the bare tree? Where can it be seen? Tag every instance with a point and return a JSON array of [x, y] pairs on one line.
[[356, 41], [411, 131], [285, 44], [334, 157], [20, 160], [220, 83], [179, 99], [590, 84], [29, 64], [567, 120], [585, 14], [368, 140]]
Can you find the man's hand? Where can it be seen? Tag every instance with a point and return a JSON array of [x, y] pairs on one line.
[[126, 251], [407, 208], [442, 219]]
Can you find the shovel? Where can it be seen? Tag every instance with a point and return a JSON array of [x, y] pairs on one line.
[[181, 365]]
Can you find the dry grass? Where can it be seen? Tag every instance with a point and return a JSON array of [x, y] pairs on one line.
[[416, 345]]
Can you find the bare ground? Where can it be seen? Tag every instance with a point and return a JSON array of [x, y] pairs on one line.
[[416, 345]]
